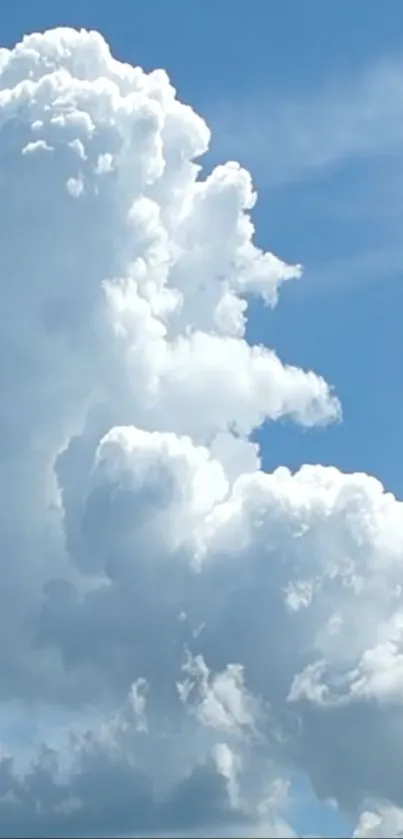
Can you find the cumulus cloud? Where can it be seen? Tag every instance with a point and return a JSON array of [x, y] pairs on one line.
[[183, 635], [385, 821]]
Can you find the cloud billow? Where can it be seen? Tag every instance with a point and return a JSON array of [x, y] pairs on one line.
[[189, 632]]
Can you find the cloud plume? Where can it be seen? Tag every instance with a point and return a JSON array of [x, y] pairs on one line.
[[183, 635]]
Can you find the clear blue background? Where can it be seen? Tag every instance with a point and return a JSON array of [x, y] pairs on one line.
[[308, 95]]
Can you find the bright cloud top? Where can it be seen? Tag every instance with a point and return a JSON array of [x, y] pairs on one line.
[[161, 595]]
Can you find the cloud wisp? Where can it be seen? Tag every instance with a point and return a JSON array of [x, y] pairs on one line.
[[289, 140]]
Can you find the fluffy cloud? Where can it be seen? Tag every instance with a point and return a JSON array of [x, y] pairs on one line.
[[183, 635], [385, 821]]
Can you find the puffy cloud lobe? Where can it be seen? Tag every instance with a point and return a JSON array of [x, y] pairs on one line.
[[160, 591], [386, 821]]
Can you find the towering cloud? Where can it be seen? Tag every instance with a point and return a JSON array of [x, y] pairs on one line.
[[184, 637]]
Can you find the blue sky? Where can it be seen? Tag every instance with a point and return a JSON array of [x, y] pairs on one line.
[[309, 96]]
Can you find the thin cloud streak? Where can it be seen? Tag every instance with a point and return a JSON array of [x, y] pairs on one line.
[[287, 141]]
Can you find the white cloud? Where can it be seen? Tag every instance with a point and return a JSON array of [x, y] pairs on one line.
[[380, 823], [203, 631]]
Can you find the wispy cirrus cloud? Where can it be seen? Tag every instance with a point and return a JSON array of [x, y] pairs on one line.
[[288, 140]]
